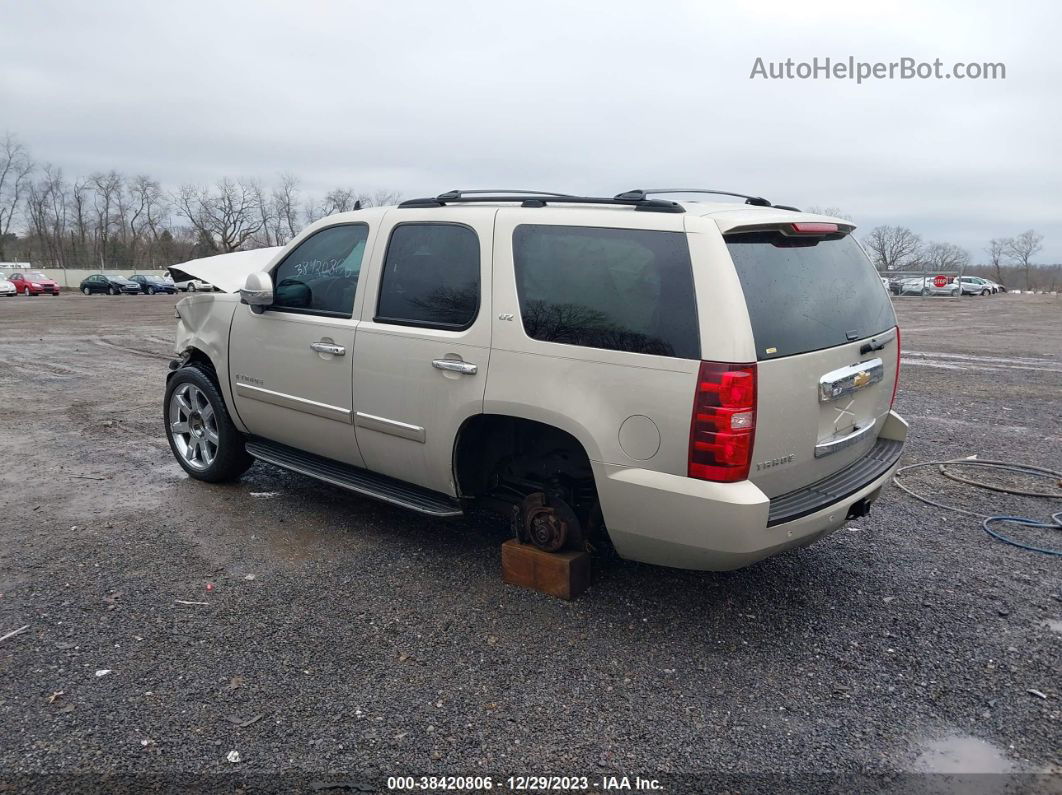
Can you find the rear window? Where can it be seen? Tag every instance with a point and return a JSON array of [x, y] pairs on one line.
[[804, 294], [619, 289]]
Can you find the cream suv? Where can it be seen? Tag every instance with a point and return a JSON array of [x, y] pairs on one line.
[[706, 383]]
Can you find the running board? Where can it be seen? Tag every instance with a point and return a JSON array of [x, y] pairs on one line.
[[361, 481]]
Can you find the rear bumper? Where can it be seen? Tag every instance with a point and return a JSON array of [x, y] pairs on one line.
[[670, 520]]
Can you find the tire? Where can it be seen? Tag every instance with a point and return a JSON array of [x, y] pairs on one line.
[[112, 291], [150, 290], [925, 291], [984, 292], [191, 287], [86, 291], [211, 449]]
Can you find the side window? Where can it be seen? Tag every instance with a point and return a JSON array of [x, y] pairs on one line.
[[618, 289], [430, 276], [320, 276]]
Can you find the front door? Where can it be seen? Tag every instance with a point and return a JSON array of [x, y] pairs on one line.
[[291, 365], [420, 357]]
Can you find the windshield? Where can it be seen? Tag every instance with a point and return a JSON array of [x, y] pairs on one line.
[[36, 276], [805, 294]]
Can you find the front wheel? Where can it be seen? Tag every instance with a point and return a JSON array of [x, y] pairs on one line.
[[150, 290], [112, 291], [86, 291], [925, 291], [984, 292], [201, 435], [191, 288]]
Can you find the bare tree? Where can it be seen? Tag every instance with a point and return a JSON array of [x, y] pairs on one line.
[[46, 202], [380, 198], [1022, 249], [835, 212], [147, 208], [16, 168], [286, 209], [945, 257], [225, 216], [996, 250], [893, 247], [107, 192], [79, 211], [342, 200]]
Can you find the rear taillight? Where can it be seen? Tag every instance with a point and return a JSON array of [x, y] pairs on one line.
[[724, 422], [896, 380]]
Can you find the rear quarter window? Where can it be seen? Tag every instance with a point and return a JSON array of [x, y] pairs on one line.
[[617, 289], [805, 294]]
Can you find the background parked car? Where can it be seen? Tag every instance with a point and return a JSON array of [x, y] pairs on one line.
[[33, 283], [110, 284], [7, 288], [149, 285], [185, 283], [975, 285]]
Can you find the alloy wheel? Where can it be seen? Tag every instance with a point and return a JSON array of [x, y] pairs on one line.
[[194, 426]]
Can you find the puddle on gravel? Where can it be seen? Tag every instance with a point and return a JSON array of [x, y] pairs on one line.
[[961, 753]]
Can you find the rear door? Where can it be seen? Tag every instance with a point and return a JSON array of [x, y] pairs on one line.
[[826, 348], [421, 354]]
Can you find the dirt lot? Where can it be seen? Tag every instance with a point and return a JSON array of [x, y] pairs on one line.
[[349, 640]]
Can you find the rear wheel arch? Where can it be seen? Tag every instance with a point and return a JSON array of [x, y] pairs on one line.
[[504, 457]]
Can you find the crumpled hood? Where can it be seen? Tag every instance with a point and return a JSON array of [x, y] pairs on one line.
[[227, 272]]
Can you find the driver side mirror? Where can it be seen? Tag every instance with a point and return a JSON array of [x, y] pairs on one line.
[[257, 292]]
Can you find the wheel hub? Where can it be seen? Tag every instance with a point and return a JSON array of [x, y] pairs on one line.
[[548, 522]]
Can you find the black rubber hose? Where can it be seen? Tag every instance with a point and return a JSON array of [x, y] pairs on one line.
[[987, 520]]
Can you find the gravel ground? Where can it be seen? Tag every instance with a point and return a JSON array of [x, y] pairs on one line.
[[343, 640]]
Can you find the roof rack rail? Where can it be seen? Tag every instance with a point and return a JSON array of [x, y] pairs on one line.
[[534, 198], [641, 193]]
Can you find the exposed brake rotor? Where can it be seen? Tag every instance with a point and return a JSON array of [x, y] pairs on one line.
[[548, 522]]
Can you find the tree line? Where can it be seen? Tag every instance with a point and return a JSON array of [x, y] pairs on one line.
[[1009, 260], [113, 221]]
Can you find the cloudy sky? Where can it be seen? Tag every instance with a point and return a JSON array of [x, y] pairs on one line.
[[581, 96]]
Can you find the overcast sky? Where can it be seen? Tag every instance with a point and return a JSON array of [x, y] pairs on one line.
[[581, 96]]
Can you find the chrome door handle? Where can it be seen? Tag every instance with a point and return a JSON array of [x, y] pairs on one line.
[[455, 365], [832, 446], [328, 347]]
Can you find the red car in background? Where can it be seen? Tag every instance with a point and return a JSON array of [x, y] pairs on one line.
[[33, 283]]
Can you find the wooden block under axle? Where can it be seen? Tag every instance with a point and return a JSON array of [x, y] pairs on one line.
[[561, 574]]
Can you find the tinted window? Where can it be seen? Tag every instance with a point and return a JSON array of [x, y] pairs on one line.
[[805, 294], [620, 289], [431, 276], [321, 274]]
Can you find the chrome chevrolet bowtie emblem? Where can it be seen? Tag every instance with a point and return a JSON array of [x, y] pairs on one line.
[[861, 379]]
